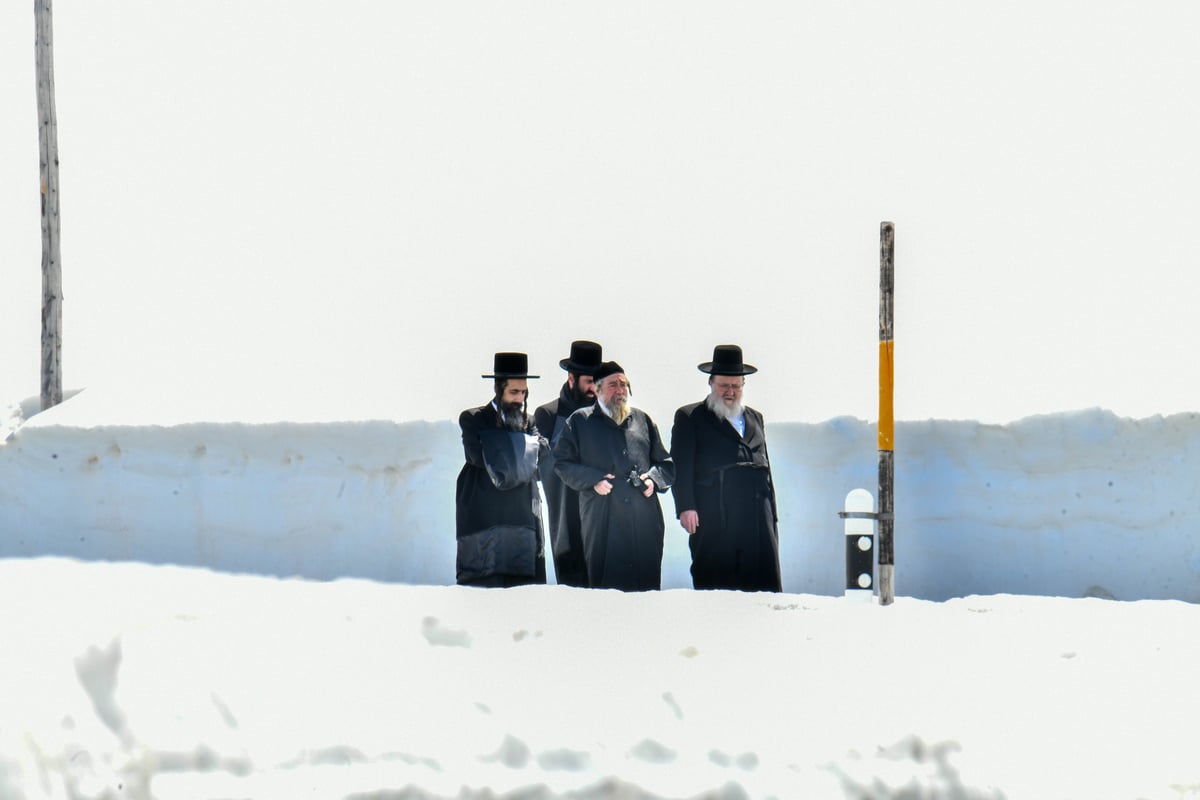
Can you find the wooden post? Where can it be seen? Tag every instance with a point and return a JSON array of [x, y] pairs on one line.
[[51, 265], [887, 270]]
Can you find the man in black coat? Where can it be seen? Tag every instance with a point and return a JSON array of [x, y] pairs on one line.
[[497, 508], [724, 494], [562, 500], [612, 454]]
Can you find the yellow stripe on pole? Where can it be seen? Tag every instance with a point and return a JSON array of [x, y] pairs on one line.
[[886, 419]]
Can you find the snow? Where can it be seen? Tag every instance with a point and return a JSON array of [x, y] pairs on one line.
[[292, 242], [230, 609], [1059, 504], [129, 680]]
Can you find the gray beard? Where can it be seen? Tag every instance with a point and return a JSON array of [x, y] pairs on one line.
[[619, 413], [728, 413]]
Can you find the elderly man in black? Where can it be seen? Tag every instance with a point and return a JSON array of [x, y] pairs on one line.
[[497, 508], [563, 501], [612, 454], [724, 495]]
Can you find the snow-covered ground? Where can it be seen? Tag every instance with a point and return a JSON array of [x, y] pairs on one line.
[[1078, 504], [205, 671], [133, 681]]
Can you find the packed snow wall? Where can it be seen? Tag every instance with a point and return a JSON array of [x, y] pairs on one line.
[[1075, 504]]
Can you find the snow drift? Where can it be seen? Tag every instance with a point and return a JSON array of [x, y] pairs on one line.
[[1077, 504]]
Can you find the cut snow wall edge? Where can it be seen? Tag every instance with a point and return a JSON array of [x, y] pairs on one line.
[[1074, 504]]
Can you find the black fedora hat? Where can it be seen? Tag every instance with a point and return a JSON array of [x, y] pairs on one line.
[[511, 365], [727, 360], [585, 358]]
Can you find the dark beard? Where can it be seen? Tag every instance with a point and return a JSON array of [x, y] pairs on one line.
[[580, 397], [513, 418]]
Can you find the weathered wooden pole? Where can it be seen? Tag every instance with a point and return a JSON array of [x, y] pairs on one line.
[[51, 265], [887, 275]]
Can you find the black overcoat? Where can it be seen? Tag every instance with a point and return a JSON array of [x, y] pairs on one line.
[[496, 528], [726, 479], [623, 530], [561, 500]]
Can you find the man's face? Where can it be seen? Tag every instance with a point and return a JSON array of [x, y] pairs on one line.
[[613, 390], [727, 388], [582, 386], [515, 392]]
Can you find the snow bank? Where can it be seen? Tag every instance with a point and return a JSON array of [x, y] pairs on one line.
[[370, 499], [1074, 504]]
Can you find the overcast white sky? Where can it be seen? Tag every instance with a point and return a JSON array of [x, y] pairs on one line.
[[346, 208]]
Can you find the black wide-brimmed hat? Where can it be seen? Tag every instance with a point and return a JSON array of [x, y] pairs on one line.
[[585, 358], [727, 360], [511, 365]]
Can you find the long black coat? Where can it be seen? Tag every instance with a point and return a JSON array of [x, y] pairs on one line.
[[562, 501], [623, 530], [726, 479], [499, 531]]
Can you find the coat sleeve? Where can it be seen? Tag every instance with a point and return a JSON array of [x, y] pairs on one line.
[[472, 446], [662, 468], [568, 465], [683, 453]]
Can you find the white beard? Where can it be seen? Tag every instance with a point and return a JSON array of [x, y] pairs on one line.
[[619, 413], [718, 407]]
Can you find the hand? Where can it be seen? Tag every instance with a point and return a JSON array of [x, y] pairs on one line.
[[649, 485], [690, 521], [604, 487]]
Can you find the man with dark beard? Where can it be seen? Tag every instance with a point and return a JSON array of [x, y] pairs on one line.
[[497, 508], [613, 456], [724, 494], [563, 501]]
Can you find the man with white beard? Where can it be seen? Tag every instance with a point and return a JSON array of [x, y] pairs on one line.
[[724, 494], [614, 457]]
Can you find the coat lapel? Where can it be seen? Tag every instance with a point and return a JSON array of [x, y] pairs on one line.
[[489, 416], [755, 435]]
